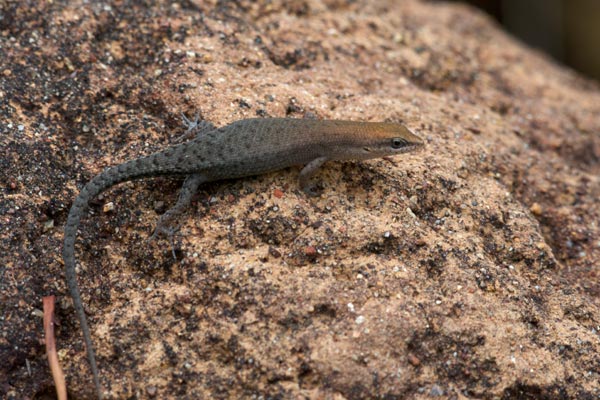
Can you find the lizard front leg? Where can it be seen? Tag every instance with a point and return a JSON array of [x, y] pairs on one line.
[[307, 173]]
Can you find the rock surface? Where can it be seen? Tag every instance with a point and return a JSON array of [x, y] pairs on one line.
[[469, 270]]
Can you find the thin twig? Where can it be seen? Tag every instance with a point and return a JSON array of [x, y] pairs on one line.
[[57, 374]]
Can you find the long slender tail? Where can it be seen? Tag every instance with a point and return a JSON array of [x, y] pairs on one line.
[[79, 208], [139, 168]]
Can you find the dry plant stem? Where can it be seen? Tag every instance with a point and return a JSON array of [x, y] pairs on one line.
[[57, 374]]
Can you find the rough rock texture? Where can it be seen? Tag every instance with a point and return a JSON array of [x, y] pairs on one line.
[[468, 270]]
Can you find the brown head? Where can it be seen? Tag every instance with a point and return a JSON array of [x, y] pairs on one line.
[[365, 140]]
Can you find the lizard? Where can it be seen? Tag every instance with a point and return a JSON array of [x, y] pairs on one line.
[[243, 148]]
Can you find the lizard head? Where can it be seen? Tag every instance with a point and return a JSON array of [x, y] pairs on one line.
[[378, 139]]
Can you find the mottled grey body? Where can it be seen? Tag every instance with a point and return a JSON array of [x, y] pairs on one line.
[[243, 148]]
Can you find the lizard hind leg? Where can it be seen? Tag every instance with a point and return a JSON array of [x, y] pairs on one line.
[[195, 128], [166, 225]]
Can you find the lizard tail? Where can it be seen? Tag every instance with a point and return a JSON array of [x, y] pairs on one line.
[[78, 208], [127, 171]]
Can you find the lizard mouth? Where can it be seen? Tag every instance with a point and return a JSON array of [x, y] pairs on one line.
[[412, 147]]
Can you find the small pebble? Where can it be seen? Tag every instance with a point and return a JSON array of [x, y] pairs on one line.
[[48, 225], [110, 206], [413, 360], [310, 251], [159, 205], [536, 209], [436, 391], [37, 313], [151, 390], [413, 200], [274, 252]]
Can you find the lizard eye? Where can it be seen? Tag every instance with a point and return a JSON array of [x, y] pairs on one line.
[[398, 143]]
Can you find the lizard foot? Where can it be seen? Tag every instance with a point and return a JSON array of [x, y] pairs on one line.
[[313, 190], [163, 229], [195, 127], [189, 123]]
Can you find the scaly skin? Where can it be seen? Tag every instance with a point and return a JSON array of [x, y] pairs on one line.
[[243, 148]]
